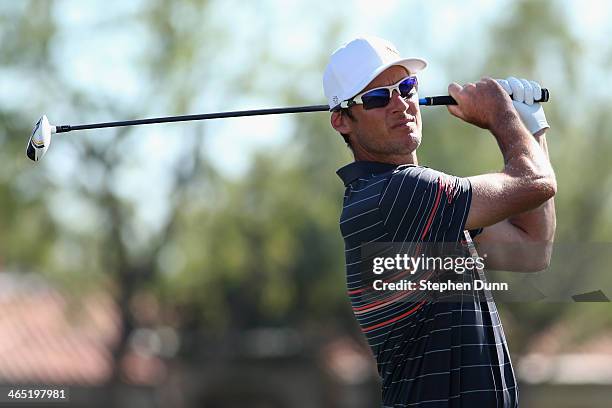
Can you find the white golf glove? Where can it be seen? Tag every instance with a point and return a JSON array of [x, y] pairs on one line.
[[523, 93]]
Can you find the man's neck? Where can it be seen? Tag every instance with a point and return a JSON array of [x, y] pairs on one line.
[[398, 159]]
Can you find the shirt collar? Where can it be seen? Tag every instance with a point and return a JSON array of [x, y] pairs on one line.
[[362, 169]]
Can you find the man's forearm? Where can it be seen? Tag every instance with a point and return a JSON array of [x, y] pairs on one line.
[[540, 223], [522, 155]]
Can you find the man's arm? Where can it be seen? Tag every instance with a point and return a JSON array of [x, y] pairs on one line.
[[525, 183], [523, 241], [510, 203]]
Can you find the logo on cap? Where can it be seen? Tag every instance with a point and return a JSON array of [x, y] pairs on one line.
[[391, 50]]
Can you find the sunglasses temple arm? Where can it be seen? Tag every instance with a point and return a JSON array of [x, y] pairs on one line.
[[448, 100]]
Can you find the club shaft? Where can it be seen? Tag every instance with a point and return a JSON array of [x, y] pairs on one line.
[[184, 118], [428, 101]]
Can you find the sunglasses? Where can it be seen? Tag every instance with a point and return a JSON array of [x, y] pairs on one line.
[[380, 97]]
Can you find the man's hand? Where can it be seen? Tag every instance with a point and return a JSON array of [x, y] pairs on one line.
[[524, 93], [484, 103]]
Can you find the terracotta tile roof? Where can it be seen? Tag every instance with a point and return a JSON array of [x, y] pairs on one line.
[[555, 356], [53, 338]]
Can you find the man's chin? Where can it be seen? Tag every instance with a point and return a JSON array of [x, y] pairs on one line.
[[410, 140]]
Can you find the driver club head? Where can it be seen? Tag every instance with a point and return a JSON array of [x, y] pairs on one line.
[[40, 140]]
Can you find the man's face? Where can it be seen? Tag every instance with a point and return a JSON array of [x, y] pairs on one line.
[[389, 132]]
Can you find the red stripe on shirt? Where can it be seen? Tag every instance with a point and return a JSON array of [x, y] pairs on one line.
[[433, 210], [395, 319], [390, 299]]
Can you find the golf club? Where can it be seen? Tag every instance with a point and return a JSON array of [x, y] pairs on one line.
[[41, 134]]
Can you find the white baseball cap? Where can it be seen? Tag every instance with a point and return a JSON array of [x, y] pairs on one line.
[[356, 63]]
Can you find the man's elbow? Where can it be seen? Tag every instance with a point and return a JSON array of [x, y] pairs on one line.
[[526, 256], [537, 265], [538, 258], [545, 186]]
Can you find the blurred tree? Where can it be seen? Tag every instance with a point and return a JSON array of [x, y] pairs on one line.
[[27, 230], [261, 250], [276, 256]]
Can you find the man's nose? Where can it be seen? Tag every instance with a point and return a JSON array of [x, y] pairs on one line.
[[397, 102]]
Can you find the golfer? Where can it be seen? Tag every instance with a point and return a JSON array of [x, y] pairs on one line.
[[433, 353]]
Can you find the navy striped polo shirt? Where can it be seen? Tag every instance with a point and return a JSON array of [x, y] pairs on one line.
[[429, 353]]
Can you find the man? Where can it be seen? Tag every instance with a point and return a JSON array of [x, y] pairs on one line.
[[432, 353]]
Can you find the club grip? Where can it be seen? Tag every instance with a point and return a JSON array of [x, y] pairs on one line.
[[448, 100]]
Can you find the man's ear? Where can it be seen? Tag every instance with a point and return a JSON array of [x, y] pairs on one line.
[[340, 122]]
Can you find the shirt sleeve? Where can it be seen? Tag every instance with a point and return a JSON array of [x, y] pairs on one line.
[[422, 204]]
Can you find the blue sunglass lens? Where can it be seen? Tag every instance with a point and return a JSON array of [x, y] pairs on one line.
[[407, 86], [377, 98]]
